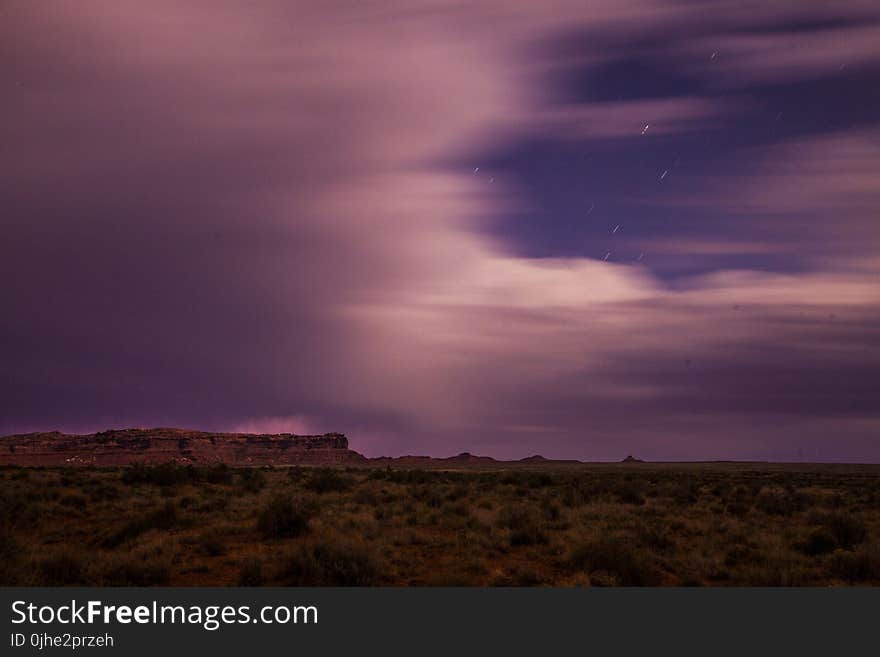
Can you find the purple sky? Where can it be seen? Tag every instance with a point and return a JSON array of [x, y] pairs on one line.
[[580, 229]]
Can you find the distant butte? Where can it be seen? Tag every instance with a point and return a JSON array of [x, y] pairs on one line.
[[467, 457], [632, 459], [120, 447], [125, 446]]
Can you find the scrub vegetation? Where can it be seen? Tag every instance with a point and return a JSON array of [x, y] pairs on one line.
[[579, 525]]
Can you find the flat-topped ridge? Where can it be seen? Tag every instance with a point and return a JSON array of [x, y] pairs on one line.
[[123, 446]]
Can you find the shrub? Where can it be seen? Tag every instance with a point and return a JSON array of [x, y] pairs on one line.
[[528, 536], [523, 525], [212, 545], [16, 508], [164, 517], [284, 517], [628, 566], [104, 492], [328, 480], [860, 566], [172, 474], [521, 576], [296, 473], [189, 502], [846, 529], [656, 538], [550, 510], [781, 503], [217, 503], [9, 547], [10, 552], [528, 479], [738, 508], [251, 573], [540, 480], [456, 509], [820, 541], [686, 493], [458, 492], [327, 564], [366, 497], [251, 480], [630, 492], [218, 474], [74, 500], [429, 495], [574, 495], [62, 569], [775, 571], [136, 570], [739, 555], [165, 474]]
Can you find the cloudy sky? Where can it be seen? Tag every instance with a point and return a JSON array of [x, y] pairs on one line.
[[581, 229]]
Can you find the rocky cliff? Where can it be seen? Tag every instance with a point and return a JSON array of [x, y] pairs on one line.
[[124, 446]]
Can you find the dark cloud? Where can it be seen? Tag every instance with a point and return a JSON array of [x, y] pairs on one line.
[[232, 217]]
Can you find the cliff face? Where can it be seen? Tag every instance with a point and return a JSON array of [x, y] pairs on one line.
[[121, 447]]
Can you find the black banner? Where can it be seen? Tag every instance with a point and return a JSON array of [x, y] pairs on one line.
[[413, 621]]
